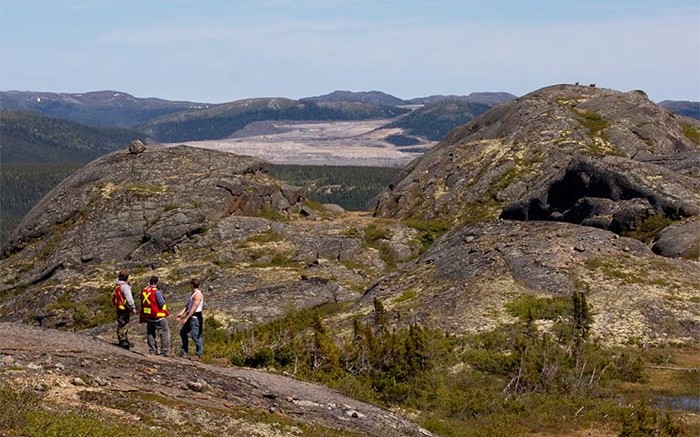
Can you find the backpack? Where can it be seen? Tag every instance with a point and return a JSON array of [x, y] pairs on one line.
[[118, 298]]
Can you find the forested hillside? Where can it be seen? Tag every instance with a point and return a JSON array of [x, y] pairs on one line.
[[30, 137], [435, 120], [23, 185], [37, 152], [353, 188]]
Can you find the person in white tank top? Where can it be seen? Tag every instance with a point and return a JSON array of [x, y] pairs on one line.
[[192, 322]]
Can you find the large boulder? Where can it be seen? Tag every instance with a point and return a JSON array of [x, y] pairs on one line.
[[680, 240]]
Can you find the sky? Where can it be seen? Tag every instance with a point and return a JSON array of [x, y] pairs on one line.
[[217, 51]]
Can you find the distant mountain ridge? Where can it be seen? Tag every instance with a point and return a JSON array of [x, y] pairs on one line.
[[222, 121], [371, 97], [97, 108], [487, 98], [682, 107]]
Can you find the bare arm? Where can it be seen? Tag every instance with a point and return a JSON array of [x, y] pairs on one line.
[[196, 299]]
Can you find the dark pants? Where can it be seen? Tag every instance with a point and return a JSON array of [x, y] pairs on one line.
[[161, 328], [192, 326], [123, 317]]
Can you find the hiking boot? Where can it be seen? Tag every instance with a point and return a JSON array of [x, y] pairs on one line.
[[182, 354]]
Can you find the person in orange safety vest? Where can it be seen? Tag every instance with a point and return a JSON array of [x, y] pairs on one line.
[[154, 311]]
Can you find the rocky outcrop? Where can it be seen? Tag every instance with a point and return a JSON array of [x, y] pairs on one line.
[[133, 206], [571, 153], [136, 147], [463, 283], [76, 372], [592, 157], [680, 240], [180, 213]]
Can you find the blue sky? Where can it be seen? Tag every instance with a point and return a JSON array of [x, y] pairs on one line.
[[224, 50]]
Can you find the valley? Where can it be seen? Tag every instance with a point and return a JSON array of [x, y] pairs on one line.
[[349, 143]]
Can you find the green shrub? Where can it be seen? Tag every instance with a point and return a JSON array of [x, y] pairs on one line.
[[375, 233], [23, 413], [593, 121], [692, 132], [540, 308], [430, 231], [645, 230], [491, 383], [641, 421]]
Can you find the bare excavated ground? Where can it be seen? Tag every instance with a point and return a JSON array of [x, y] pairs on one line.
[[360, 143], [178, 396]]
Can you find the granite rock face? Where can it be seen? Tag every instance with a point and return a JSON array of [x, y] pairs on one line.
[[67, 366], [539, 195], [563, 153], [132, 206], [680, 240], [464, 281]]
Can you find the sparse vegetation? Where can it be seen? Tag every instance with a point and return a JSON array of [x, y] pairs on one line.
[[408, 295], [692, 132], [271, 214], [645, 230], [430, 230], [25, 413], [486, 384], [268, 236], [377, 237], [593, 121]]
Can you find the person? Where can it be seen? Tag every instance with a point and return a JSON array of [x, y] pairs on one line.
[[154, 311], [124, 310], [192, 322]]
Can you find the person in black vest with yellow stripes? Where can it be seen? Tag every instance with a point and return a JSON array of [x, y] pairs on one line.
[[154, 312]]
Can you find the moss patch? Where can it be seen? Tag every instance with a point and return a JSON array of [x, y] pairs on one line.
[[691, 132], [593, 121]]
